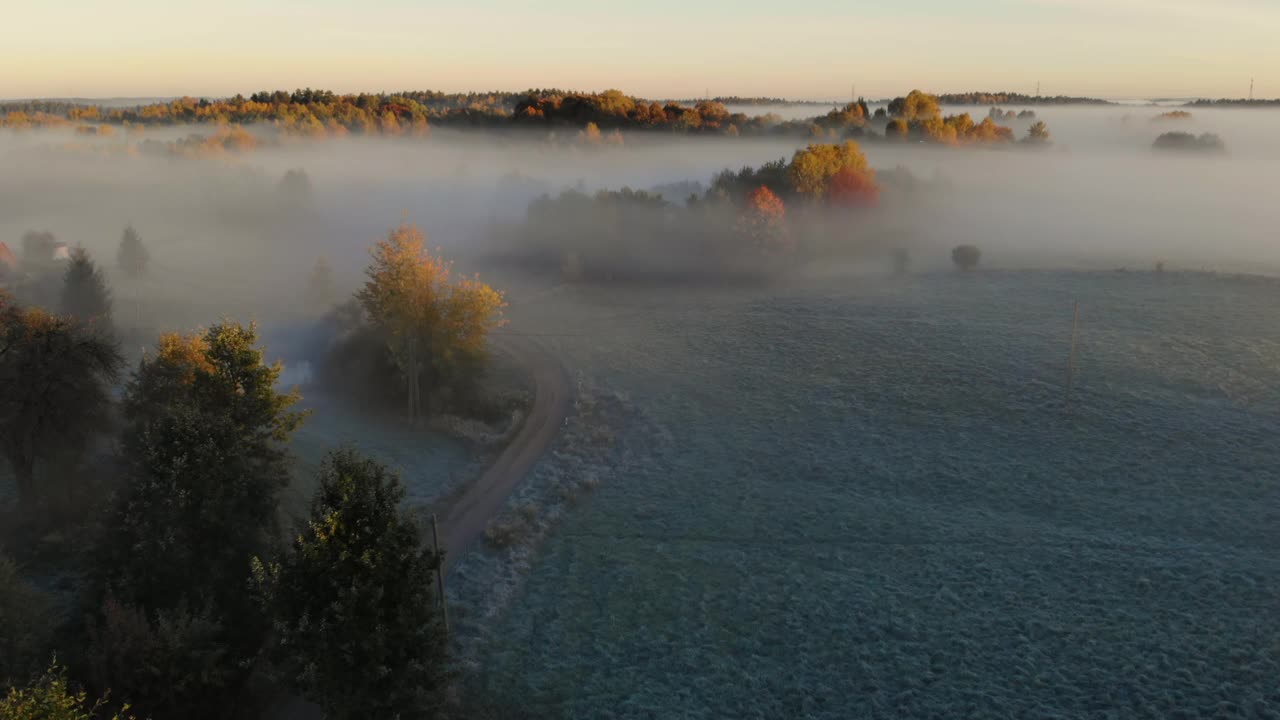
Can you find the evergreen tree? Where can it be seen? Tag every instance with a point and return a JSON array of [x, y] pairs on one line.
[[320, 290], [85, 295], [132, 256], [358, 622]]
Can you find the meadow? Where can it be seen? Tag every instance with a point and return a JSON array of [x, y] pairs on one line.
[[872, 500]]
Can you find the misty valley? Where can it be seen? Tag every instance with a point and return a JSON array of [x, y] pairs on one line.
[[555, 404]]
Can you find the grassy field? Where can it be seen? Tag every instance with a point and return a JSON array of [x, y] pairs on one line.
[[868, 499]]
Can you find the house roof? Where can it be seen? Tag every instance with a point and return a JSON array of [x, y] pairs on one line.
[[8, 260]]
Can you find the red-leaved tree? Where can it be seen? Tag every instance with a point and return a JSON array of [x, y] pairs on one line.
[[764, 222], [853, 189]]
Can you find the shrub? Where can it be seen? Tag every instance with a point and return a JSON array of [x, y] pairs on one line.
[[50, 697], [25, 626], [171, 663], [965, 256]]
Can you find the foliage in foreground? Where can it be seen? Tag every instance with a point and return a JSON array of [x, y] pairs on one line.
[[205, 461], [25, 626], [50, 697], [356, 617]]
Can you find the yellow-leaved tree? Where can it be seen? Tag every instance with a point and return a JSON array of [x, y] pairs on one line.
[[811, 169], [434, 326]]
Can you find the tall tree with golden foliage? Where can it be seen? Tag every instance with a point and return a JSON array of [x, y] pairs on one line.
[[433, 325]]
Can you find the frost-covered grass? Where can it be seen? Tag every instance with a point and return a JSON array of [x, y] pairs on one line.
[[585, 454], [868, 500], [430, 462]]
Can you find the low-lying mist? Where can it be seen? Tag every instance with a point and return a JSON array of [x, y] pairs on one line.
[[227, 237]]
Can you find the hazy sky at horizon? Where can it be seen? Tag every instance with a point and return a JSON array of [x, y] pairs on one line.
[[660, 48]]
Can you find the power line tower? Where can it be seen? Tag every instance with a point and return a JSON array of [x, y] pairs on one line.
[[1250, 89], [1037, 88]]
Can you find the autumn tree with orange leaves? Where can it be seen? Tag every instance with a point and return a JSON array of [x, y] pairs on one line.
[[763, 222], [851, 189], [435, 327]]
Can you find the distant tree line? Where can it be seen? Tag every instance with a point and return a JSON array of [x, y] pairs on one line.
[[1013, 98], [1236, 102], [596, 116]]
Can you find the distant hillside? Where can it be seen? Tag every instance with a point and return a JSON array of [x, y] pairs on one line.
[[736, 100]]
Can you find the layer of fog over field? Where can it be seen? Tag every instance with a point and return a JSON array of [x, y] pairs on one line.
[[1099, 198]]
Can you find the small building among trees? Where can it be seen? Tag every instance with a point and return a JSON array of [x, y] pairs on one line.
[[8, 263]]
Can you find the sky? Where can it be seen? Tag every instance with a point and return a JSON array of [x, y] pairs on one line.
[[818, 49]]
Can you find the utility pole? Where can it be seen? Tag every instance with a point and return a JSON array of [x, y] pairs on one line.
[[444, 604]]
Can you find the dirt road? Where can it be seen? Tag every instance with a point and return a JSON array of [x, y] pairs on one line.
[[470, 510]]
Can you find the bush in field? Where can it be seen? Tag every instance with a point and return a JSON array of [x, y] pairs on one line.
[[965, 257], [51, 697], [55, 380], [358, 623], [26, 626]]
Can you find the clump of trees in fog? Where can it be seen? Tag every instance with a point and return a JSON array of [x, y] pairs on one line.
[[751, 223], [918, 116], [1189, 142], [415, 331], [1173, 115]]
